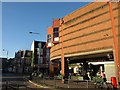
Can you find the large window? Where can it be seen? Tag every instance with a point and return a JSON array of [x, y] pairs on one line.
[[56, 32]]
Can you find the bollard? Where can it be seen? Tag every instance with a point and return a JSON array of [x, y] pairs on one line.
[[17, 87], [44, 80], [54, 83], [87, 83], [68, 84], [6, 85], [113, 82]]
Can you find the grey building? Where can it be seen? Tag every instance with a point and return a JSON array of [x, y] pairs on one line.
[[22, 62]]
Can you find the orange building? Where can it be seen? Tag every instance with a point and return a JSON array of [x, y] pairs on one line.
[[89, 34]]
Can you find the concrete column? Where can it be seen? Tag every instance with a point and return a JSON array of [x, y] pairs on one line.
[[65, 70], [85, 65], [51, 69]]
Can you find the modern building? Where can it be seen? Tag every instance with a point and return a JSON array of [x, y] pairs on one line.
[[89, 35], [22, 61], [40, 62]]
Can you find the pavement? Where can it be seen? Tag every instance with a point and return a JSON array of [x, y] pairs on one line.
[[57, 84], [14, 81], [37, 85]]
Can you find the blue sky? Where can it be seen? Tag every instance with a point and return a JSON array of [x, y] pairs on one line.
[[19, 18]]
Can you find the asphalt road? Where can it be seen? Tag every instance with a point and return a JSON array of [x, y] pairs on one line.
[[17, 80]]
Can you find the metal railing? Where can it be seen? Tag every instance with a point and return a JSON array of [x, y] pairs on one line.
[[57, 83]]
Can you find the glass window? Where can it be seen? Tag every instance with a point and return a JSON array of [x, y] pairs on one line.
[[49, 38], [56, 32]]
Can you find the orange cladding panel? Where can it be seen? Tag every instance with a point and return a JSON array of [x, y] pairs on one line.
[[56, 22], [50, 30]]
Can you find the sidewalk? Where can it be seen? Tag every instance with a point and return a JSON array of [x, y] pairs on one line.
[[52, 83]]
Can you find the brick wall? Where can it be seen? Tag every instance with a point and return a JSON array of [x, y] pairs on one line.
[[87, 29]]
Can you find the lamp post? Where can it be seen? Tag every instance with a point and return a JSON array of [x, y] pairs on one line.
[[6, 53], [32, 65], [7, 63]]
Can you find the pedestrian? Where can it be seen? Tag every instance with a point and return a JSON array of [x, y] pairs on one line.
[[103, 76], [70, 74], [89, 75]]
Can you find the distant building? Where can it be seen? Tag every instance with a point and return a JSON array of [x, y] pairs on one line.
[[11, 64], [22, 62], [40, 62], [4, 64]]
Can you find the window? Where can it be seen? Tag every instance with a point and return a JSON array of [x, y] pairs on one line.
[[41, 51], [28, 53], [49, 38], [56, 32], [40, 60], [39, 45]]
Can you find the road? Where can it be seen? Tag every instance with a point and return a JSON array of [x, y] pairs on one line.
[[18, 79]]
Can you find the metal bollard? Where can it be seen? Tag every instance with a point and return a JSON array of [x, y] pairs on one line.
[[54, 82], [68, 84], [44, 80], [87, 83], [6, 85], [17, 87]]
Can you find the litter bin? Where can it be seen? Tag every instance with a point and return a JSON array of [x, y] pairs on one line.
[[114, 82]]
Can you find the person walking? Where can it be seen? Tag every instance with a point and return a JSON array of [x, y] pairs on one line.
[[103, 76]]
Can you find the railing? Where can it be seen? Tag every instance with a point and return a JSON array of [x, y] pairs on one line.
[[56, 83], [69, 83]]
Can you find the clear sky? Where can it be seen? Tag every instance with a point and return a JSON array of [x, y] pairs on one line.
[[19, 18]]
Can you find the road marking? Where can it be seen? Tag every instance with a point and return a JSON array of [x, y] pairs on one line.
[[37, 84]]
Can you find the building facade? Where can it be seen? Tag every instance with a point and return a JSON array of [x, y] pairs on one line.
[[22, 61], [40, 60], [4, 65], [89, 34]]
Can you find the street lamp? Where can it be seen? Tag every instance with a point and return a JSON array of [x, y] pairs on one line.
[[32, 65], [33, 33]]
